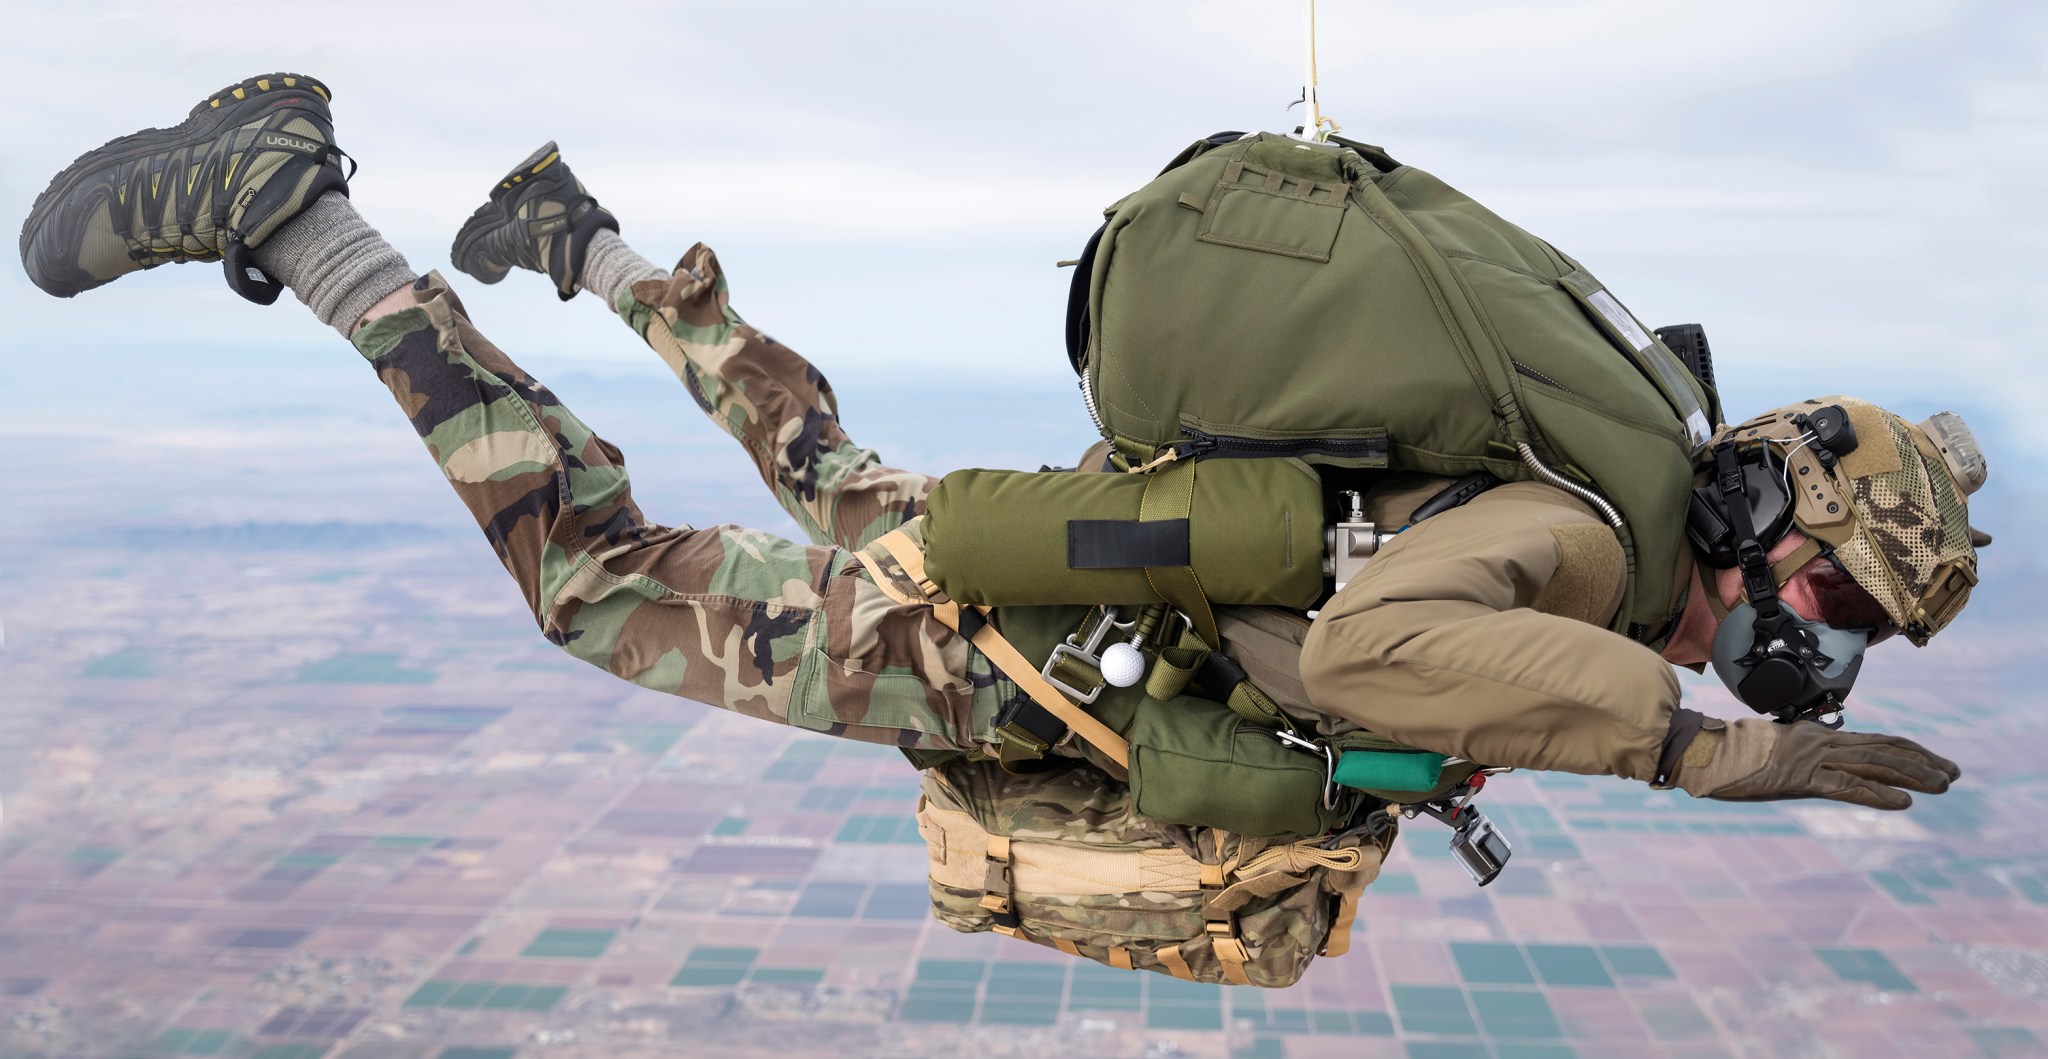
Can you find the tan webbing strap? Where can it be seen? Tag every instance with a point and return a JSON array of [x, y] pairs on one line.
[[1170, 958], [1299, 857], [1006, 657], [1230, 952], [1808, 551], [1219, 918], [1339, 940], [1239, 894], [1220, 923], [1120, 958], [1066, 946], [996, 875], [1213, 874], [996, 884]]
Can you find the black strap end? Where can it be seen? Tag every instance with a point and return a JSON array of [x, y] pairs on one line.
[[244, 278], [1685, 727]]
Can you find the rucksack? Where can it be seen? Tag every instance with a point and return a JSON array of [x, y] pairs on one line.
[[1266, 300]]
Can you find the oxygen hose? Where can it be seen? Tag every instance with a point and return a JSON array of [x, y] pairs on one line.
[[1607, 510]]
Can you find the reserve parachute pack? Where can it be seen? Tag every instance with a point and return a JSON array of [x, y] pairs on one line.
[[1262, 331]]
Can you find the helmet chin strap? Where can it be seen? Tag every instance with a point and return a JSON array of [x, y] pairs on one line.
[[1781, 647]]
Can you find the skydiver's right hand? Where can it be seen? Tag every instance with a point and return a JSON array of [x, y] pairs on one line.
[[1757, 760]]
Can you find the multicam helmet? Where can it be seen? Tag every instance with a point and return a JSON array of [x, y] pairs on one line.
[[1893, 511]]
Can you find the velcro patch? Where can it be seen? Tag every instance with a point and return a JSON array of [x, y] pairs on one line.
[[1125, 544]]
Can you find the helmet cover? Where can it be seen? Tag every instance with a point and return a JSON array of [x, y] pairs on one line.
[[1894, 510]]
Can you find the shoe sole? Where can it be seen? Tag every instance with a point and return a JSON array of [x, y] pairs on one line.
[[208, 117], [497, 210]]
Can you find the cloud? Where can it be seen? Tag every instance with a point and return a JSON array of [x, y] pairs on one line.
[[1836, 188]]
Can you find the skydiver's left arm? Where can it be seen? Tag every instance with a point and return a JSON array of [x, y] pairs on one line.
[[776, 403], [1481, 633]]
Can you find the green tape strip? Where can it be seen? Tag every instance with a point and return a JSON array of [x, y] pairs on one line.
[[1388, 770]]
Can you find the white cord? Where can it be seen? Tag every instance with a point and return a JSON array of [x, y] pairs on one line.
[[1312, 115], [1792, 450]]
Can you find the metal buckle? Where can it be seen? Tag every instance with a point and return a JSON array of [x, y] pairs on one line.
[[1328, 755], [1090, 652]]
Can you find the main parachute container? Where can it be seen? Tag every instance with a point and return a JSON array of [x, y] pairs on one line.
[[1268, 297]]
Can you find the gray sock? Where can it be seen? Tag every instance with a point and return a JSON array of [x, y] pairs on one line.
[[334, 261], [610, 266]]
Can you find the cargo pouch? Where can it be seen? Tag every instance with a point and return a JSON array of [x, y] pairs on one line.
[[1194, 761], [1256, 208], [1061, 860]]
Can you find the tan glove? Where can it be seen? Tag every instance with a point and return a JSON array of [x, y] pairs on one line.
[[1757, 760]]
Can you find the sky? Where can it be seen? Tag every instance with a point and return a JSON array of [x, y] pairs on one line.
[[1847, 193]]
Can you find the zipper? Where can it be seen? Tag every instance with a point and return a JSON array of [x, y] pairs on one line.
[[1088, 401], [1529, 372], [1202, 445]]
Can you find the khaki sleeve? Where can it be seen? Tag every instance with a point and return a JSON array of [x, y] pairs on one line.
[[1479, 633]]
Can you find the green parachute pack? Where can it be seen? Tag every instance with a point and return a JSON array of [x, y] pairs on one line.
[[1261, 331], [1267, 304]]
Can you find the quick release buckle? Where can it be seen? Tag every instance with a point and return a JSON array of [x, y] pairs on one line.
[[1088, 653]]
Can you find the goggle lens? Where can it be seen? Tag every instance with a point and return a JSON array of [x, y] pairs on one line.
[[1845, 604]]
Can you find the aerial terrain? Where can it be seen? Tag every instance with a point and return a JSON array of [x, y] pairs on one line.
[[289, 774]]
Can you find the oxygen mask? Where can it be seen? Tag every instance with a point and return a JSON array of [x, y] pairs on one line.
[[1787, 665]]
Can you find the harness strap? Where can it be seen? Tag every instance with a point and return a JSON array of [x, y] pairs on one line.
[[1000, 652], [1170, 494], [996, 887], [1219, 915], [1339, 940], [1243, 697], [1229, 950]]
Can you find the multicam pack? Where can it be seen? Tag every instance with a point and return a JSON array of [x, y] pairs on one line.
[[1061, 858]]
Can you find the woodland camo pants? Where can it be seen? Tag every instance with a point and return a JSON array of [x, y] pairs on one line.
[[734, 617]]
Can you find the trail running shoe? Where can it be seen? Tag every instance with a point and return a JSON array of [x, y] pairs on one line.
[[538, 217], [246, 160]]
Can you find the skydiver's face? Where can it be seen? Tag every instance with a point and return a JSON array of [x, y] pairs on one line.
[[1820, 588]]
